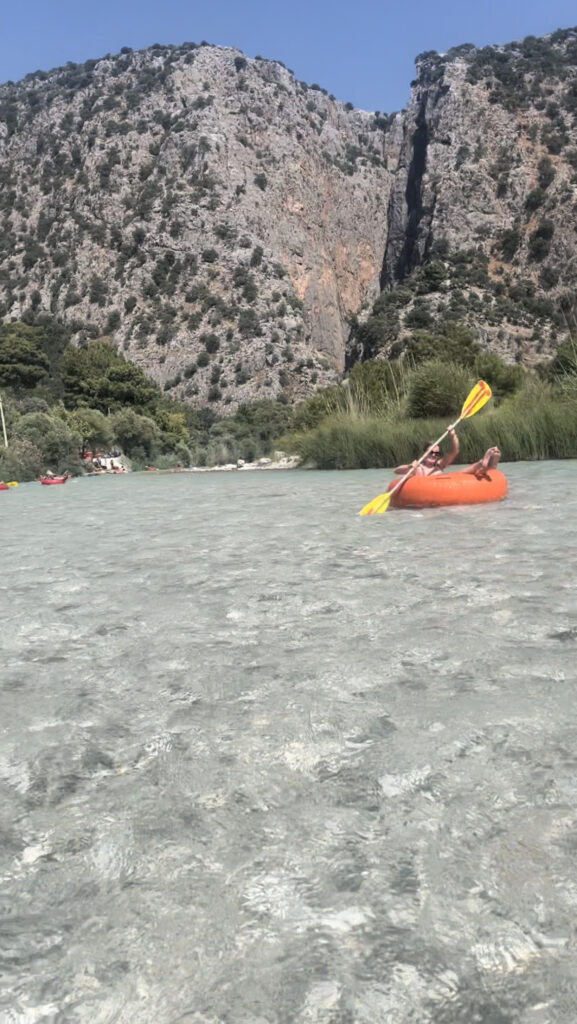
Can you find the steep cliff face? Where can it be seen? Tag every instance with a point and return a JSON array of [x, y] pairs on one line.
[[222, 222], [217, 219], [486, 188]]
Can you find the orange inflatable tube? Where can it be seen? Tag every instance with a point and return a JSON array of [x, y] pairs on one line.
[[449, 489]]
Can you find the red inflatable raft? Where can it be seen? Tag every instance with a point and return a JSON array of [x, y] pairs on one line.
[[52, 479], [449, 489]]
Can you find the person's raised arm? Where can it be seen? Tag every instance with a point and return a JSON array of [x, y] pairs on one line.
[[452, 455]]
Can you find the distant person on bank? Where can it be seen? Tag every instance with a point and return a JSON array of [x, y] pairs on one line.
[[435, 463]]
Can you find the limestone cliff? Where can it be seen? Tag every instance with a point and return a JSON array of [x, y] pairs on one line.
[[224, 224], [482, 227], [219, 220]]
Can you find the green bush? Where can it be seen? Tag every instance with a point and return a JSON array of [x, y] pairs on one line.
[[419, 316], [22, 461], [504, 379], [534, 200], [23, 364], [509, 243], [50, 435], [546, 172], [540, 240], [564, 362], [453, 343], [437, 389], [135, 433], [433, 276], [209, 256]]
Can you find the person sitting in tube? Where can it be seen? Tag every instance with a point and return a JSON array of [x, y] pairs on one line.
[[435, 463]]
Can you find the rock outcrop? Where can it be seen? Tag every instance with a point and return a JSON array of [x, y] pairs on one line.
[[482, 227], [219, 220], [223, 223]]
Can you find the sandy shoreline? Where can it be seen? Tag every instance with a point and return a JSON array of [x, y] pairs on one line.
[[291, 462], [285, 462]]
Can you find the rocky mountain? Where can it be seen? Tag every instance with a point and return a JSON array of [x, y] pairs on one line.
[[217, 219], [224, 224], [482, 228]]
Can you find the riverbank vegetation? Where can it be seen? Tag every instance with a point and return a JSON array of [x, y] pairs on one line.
[[386, 412], [61, 402]]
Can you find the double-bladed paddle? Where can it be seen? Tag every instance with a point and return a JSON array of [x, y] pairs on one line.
[[474, 401]]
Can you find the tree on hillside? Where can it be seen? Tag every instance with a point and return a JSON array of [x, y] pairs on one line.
[[50, 435], [453, 343], [93, 428], [266, 418], [126, 384], [137, 435], [22, 363], [99, 377], [82, 369]]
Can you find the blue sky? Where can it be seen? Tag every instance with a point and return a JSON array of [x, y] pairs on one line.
[[361, 50]]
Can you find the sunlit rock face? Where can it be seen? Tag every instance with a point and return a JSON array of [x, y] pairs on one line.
[[486, 187], [190, 202], [223, 224]]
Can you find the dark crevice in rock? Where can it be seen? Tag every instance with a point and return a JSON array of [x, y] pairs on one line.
[[399, 262]]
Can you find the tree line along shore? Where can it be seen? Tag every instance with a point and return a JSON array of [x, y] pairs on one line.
[[60, 402]]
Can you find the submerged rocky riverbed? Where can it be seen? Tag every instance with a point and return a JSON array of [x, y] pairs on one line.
[[270, 762]]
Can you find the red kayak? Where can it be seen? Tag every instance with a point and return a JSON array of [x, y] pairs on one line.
[[4, 487], [52, 479]]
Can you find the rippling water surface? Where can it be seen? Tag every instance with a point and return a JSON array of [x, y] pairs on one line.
[[264, 761]]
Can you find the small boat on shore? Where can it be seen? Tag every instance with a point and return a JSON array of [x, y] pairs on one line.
[[449, 489], [47, 480]]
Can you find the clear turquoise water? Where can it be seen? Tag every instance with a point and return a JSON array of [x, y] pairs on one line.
[[264, 761]]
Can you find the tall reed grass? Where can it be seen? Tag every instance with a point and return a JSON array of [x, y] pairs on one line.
[[540, 422]]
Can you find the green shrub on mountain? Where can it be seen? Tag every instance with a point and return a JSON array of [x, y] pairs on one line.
[[23, 364], [504, 379], [540, 240], [546, 172], [453, 343], [396, 298], [433, 276], [377, 331], [509, 241], [437, 389], [99, 377], [419, 316], [534, 200]]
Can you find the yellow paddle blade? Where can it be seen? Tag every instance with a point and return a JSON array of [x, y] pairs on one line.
[[377, 506], [476, 399]]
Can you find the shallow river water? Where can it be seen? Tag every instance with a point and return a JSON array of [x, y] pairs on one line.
[[264, 761]]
